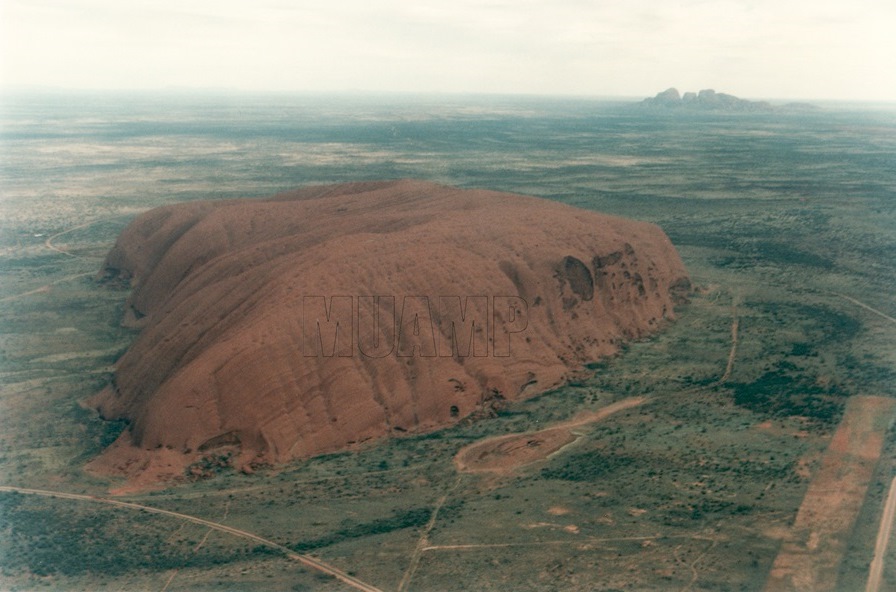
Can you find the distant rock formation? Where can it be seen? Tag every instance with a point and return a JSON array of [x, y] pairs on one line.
[[668, 97], [710, 100], [322, 318]]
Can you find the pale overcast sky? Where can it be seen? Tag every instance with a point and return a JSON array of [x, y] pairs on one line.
[[800, 49]]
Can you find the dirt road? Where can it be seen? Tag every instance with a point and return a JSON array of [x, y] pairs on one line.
[[732, 353], [866, 307], [810, 560], [423, 541], [49, 242], [307, 560], [875, 573], [501, 454]]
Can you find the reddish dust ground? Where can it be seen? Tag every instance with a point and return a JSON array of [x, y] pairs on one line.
[[811, 558]]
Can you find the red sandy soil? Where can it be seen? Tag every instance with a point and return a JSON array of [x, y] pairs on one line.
[[811, 558], [219, 289], [506, 453]]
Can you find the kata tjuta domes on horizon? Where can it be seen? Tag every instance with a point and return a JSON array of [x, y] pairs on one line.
[[318, 319]]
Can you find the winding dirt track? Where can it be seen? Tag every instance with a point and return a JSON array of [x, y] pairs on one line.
[[49, 242], [307, 560], [46, 287], [502, 454], [732, 354]]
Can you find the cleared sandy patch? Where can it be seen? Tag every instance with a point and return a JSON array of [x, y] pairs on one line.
[[558, 511]]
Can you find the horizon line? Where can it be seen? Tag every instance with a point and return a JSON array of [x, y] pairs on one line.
[[222, 90]]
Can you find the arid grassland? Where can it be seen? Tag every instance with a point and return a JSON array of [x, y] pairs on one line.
[[786, 226]]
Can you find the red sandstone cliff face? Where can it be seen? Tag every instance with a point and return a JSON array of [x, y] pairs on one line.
[[482, 294]]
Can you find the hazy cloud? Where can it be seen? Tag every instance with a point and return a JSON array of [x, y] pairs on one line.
[[756, 48]]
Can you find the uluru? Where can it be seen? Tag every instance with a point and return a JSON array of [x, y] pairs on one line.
[[322, 318]]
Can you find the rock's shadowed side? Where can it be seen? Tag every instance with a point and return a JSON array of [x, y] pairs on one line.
[[219, 289]]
